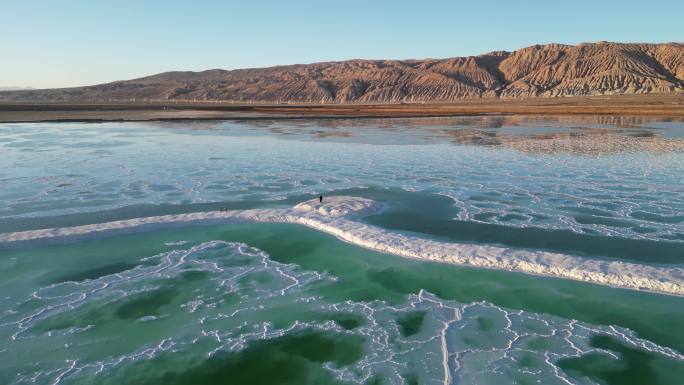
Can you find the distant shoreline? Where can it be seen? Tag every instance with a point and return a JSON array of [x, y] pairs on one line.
[[626, 105]]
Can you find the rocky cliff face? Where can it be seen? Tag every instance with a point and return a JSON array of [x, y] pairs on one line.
[[551, 70], [591, 69]]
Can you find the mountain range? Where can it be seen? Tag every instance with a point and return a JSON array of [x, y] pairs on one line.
[[551, 70]]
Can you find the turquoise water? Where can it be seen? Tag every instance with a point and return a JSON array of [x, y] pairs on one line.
[[283, 304]]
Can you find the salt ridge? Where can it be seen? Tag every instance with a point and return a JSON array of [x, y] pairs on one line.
[[339, 216]]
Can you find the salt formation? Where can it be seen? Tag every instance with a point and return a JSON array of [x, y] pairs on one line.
[[339, 216]]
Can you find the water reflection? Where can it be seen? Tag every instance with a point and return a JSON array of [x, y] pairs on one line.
[[583, 141], [581, 134]]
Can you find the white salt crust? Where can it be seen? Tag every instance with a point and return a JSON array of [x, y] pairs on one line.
[[338, 216]]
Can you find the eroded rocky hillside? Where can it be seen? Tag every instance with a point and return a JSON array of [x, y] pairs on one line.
[[551, 70]]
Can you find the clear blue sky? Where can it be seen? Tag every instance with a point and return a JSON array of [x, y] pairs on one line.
[[50, 43]]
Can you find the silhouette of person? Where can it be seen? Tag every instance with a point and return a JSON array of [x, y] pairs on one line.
[[320, 198]]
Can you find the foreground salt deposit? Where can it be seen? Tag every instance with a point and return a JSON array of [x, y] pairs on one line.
[[340, 215]]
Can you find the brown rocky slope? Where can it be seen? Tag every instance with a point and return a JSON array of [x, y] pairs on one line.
[[551, 70]]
